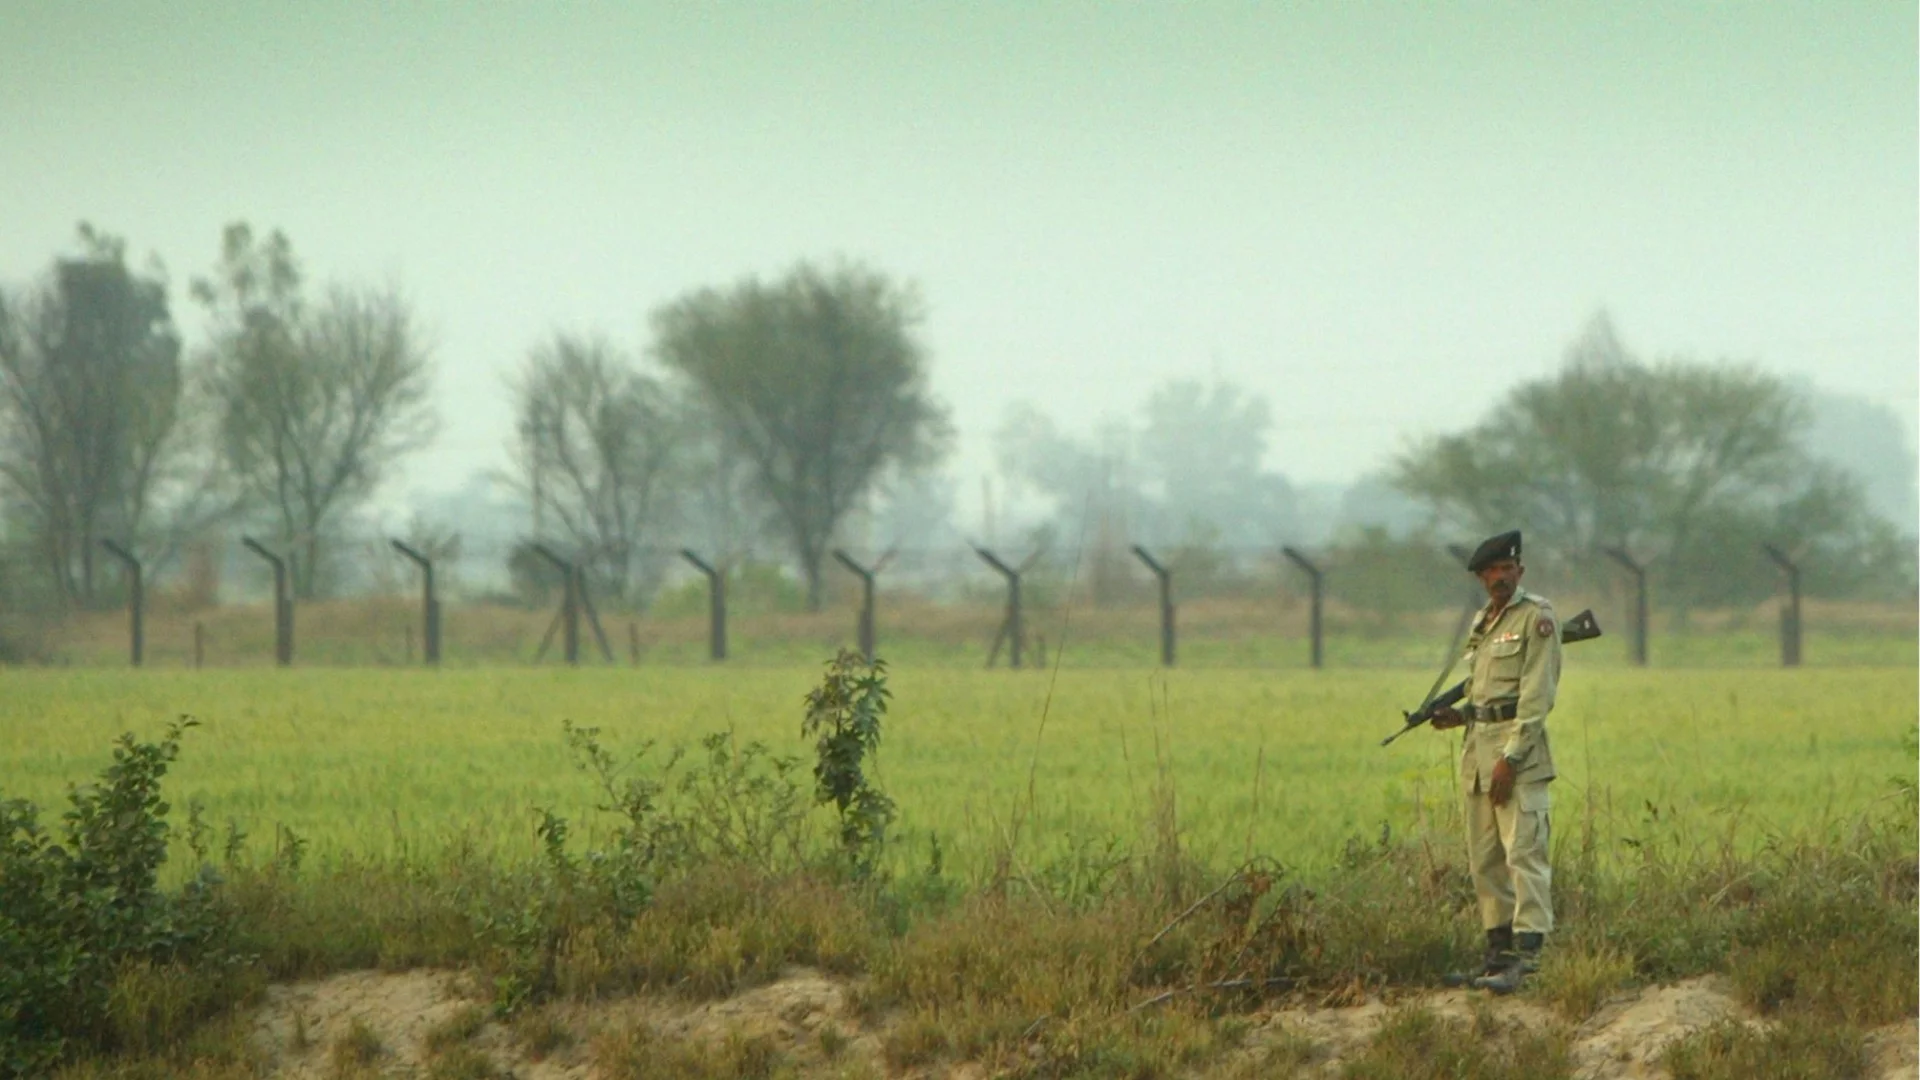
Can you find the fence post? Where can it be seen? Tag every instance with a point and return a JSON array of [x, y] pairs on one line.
[[866, 576], [584, 597], [136, 600], [1013, 629], [429, 605], [569, 604], [1317, 598], [199, 644], [716, 605], [1789, 611], [1639, 572], [633, 642], [1166, 603], [282, 602]]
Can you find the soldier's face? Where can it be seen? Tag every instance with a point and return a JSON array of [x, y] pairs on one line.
[[1501, 578]]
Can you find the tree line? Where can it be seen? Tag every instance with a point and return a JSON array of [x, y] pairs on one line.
[[770, 411], [771, 408], [1686, 466]]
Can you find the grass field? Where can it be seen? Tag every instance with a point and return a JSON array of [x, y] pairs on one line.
[[1752, 823], [1283, 763]]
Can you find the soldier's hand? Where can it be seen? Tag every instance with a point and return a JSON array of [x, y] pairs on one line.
[[1501, 789], [1446, 716]]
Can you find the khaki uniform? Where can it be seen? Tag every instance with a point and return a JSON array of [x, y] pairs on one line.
[[1514, 662]]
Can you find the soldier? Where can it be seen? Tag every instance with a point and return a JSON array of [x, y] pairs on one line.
[[1513, 657]]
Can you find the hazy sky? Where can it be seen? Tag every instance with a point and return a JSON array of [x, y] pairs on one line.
[[1377, 215]]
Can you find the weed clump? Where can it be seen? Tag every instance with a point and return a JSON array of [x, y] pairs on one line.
[[1795, 1049], [644, 1052], [1415, 1044], [355, 1050]]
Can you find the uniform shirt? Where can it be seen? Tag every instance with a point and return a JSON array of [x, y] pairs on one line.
[[1515, 659]]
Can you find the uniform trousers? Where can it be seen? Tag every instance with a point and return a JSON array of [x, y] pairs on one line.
[[1507, 854]]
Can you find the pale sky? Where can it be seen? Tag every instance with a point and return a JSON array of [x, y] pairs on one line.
[[1377, 215]]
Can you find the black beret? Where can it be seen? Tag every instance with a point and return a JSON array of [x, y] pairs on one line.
[[1493, 549]]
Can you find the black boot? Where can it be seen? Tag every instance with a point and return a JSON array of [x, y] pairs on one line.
[[1499, 950], [1526, 961]]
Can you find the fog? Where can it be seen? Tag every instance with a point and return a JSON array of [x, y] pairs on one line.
[[1377, 217]]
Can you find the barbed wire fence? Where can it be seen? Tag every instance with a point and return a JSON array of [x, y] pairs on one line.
[[387, 601]]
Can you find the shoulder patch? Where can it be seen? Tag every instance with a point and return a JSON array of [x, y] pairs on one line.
[[1543, 626]]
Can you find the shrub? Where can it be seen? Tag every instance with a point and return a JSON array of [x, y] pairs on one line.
[[844, 713], [93, 953]]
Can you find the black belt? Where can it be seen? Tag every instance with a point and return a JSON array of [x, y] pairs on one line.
[[1505, 710]]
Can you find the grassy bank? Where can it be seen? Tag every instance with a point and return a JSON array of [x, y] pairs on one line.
[[1027, 974], [1126, 948]]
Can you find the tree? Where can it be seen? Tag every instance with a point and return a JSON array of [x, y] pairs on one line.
[[1188, 477], [90, 393], [720, 510], [1866, 438], [1389, 577], [1202, 453], [819, 381], [1094, 486], [598, 444], [1691, 464], [316, 407], [917, 511]]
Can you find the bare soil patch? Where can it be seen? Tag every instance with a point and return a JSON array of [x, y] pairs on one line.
[[805, 1015]]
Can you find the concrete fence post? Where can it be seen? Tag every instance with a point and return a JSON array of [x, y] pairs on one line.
[[1165, 578], [716, 605], [136, 601], [1012, 629], [1316, 584], [282, 601], [866, 574], [429, 605], [1639, 572], [1789, 608], [569, 615]]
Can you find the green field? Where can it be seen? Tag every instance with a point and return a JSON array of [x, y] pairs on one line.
[[1284, 763]]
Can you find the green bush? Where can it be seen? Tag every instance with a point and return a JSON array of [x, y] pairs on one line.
[[84, 923], [844, 713]]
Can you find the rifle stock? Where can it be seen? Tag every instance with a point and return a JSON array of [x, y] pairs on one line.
[[1582, 627]]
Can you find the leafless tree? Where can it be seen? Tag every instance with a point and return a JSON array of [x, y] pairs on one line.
[[597, 445], [316, 406]]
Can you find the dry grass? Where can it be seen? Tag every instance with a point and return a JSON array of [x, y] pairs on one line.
[[640, 1051], [1415, 1044], [355, 1051], [1579, 977], [1800, 1049], [457, 1029]]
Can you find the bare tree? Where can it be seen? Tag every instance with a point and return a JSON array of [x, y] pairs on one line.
[[90, 394], [315, 407], [819, 380], [597, 448]]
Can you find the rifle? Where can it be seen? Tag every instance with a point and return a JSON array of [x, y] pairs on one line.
[[1582, 627]]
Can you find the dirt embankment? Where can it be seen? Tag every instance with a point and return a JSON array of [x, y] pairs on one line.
[[400, 1022]]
